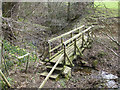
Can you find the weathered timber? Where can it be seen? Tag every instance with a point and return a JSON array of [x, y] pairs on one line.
[[47, 77], [27, 64], [64, 62], [57, 68], [69, 60], [5, 79], [62, 42], [78, 50], [56, 54], [76, 36], [67, 72], [24, 56], [83, 40], [20, 57], [53, 76], [49, 49], [61, 51], [55, 48], [70, 49], [75, 47], [66, 33]]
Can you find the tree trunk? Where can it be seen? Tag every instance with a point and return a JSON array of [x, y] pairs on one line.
[[0, 34], [9, 11], [68, 12]]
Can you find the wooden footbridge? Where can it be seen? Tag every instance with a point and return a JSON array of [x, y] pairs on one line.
[[72, 43]]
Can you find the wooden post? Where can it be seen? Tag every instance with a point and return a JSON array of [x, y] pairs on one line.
[[5, 79], [92, 34], [27, 63], [88, 36], [49, 49], [79, 30], [71, 36], [62, 42], [1, 34], [64, 54], [75, 47], [83, 40], [2, 52]]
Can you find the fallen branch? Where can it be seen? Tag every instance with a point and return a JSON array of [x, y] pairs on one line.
[[112, 39], [109, 48]]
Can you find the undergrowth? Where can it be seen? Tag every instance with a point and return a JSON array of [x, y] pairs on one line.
[[10, 59]]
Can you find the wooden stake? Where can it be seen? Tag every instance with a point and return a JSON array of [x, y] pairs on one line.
[[83, 40], [49, 49], [5, 79], [27, 63], [64, 54], [62, 42], [75, 47]]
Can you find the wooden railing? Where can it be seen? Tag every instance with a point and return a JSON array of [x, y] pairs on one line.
[[62, 40], [72, 41], [66, 45]]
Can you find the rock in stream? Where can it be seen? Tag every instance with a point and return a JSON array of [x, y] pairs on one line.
[[109, 79]]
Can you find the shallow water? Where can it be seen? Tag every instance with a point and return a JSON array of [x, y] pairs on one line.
[[108, 79], [84, 69]]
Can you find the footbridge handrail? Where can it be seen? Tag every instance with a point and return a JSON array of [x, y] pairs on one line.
[[66, 42], [76, 36], [66, 33], [62, 39]]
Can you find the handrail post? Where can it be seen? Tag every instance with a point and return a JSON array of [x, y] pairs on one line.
[[28, 59], [62, 42], [64, 54], [79, 30], [49, 49], [71, 35], [88, 36], [92, 36], [83, 40], [75, 47]]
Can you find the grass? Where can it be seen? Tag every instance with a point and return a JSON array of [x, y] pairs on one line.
[[110, 5], [12, 52]]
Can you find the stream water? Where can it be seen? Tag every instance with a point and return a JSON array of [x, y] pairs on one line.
[[108, 80]]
